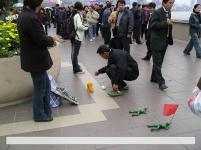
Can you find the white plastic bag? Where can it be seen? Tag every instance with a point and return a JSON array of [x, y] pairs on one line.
[[194, 102]]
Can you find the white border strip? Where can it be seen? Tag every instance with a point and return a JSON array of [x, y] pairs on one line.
[[99, 140]]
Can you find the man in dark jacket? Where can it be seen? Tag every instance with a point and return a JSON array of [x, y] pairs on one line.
[[124, 26], [137, 15], [151, 7], [161, 36], [35, 57], [121, 66]]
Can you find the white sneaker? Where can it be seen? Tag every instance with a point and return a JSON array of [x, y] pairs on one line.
[[91, 40], [94, 38]]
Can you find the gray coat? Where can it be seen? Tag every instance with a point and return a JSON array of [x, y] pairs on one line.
[[126, 23]]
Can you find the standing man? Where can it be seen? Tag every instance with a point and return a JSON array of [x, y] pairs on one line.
[[161, 36], [106, 25], [151, 8], [80, 27], [124, 25]]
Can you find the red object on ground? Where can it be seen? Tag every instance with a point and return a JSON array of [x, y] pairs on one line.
[[170, 109]]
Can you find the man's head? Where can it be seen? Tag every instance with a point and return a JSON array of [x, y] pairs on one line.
[[151, 6], [134, 5], [121, 5], [103, 51], [78, 6], [109, 5], [168, 4]]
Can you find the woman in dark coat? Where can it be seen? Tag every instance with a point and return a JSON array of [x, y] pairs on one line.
[[35, 57], [194, 30]]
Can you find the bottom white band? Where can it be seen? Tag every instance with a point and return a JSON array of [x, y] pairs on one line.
[[99, 140]]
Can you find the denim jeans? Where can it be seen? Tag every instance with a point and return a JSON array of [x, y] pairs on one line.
[[92, 31], [74, 55], [41, 96], [194, 41]]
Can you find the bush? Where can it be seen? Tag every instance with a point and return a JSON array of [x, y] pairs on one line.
[[9, 39]]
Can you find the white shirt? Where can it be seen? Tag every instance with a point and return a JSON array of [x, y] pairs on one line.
[[79, 27]]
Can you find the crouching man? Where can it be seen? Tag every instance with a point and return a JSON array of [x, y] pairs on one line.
[[121, 66]]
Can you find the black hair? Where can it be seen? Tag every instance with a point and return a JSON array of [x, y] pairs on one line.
[[134, 4], [152, 5], [78, 6], [32, 3], [165, 1], [109, 5], [102, 49], [121, 2], [195, 6]]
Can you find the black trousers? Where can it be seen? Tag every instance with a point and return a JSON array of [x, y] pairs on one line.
[[158, 57], [149, 52], [136, 34], [144, 30], [131, 75], [123, 43], [74, 54], [106, 35]]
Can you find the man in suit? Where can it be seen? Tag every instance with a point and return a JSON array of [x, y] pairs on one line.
[[161, 36], [121, 66], [124, 26], [151, 7]]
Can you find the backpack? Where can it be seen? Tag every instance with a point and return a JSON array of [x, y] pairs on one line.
[[71, 31]]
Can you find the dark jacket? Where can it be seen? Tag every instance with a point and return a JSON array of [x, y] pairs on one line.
[[160, 36], [122, 60], [194, 24], [34, 54], [126, 23], [137, 18]]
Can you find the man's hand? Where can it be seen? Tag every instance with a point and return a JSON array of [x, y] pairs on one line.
[[129, 36], [115, 87], [169, 21], [97, 73], [56, 38]]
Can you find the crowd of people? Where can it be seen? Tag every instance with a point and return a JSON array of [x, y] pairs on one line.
[[118, 25]]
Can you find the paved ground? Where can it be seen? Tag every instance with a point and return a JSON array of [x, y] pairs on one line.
[[100, 115]]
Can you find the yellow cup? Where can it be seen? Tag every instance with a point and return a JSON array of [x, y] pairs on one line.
[[90, 88]]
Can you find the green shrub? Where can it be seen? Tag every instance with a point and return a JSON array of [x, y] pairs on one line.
[[9, 39]]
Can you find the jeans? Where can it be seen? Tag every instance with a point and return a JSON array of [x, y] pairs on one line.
[[41, 96], [74, 55], [92, 31], [194, 41]]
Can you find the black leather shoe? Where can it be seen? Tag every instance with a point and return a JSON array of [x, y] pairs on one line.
[[146, 58], [198, 57], [186, 53], [45, 120], [154, 81], [162, 86]]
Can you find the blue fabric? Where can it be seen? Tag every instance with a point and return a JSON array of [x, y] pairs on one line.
[[194, 41], [194, 24], [41, 96], [54, 101], [105, 17]]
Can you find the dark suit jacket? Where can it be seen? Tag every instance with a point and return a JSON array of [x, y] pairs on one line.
[[126, 23], [34, 54], [122, 60], [160, 36]]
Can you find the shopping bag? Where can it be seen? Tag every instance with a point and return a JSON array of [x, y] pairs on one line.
[[194, 102]]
